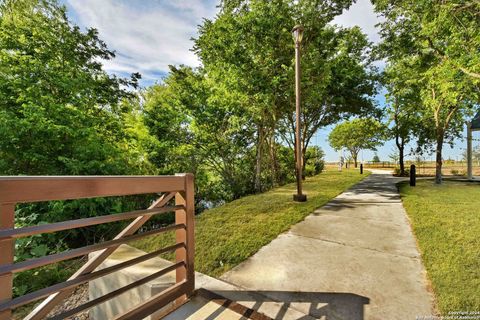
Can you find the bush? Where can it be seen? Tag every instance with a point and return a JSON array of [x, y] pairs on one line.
[[456, 172], [396, 172], [314, 161], [39, 278]]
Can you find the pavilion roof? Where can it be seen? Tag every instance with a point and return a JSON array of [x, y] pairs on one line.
[[475, 124]]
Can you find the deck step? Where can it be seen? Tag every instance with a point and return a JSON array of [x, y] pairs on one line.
[[222, 299], [250, 299], [208, 305]]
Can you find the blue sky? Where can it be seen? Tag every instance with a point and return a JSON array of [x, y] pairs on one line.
[[149, 35], [146, 35]]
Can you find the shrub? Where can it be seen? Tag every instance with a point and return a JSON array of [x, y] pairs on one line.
[[396, 172], [456, 172], [315, 163]]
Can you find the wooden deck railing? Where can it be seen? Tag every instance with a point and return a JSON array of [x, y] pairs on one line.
[[14, 190]]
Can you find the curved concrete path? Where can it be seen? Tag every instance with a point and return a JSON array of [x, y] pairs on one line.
[[355, 258]]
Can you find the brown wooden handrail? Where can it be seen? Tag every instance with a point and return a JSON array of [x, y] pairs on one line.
[[78, 223], [24, 189], [66, 255], [47, 188]]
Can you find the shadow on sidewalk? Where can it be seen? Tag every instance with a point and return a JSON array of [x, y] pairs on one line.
[[319, 305], [381, 186]]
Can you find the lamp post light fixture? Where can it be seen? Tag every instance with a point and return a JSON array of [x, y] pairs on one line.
[[297, 33]]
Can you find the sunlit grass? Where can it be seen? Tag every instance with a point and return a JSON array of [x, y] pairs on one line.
[[227, 235], [446, 222]]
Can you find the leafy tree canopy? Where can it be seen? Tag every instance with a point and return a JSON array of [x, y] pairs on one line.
[[356, 135], [435, 45], [249, 49], [60, 113]]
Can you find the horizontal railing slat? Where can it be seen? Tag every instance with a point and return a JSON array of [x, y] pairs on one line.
[[20, 301], [39, 262], [33, 189], [117, 292], [72, 224]]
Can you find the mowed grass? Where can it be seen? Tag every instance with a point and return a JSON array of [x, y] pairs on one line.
[[227, 235], [446, 222]]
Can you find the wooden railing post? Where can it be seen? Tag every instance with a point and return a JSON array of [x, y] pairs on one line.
[[186, 236], [7, 221]]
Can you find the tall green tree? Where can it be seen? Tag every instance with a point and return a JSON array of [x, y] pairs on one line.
[[245, 48], [440, 41], [404, 101], [202, 127], [356, 135], [60, 112], [249, 47], [338, 81]]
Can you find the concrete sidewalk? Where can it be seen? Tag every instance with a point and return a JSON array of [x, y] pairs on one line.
[[355, 258]]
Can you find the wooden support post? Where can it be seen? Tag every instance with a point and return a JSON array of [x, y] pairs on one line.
[[413, 175], [186, 216], [469, 152], [7, 247]]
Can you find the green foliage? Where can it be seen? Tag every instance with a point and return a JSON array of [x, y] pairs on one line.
[[457, 172], [432, 49], [248, 49], [39, 278], [357, 134], [376, 159], [315, 163], [227, 122], [59, 111], [202, 127], [62, 114]]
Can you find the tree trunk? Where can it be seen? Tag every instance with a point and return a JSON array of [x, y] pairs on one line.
[[438, 155], [401, 160], [303, 165], [401, 148], [258, 163], [354, 156], [273, 159], [304, 160]]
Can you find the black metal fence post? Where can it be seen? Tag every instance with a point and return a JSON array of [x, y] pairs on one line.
[[361, 168], [413, 175]]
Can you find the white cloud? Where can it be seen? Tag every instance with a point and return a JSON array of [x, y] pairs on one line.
[[146, 35], [361, 14], [149, 35]]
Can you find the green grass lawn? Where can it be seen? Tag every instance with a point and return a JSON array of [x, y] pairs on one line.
[[446, 222], [229, 234]]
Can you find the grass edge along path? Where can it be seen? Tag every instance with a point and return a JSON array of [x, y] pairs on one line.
[[227, 235], [445, 220]]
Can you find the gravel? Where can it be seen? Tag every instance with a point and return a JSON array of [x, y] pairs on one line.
[[77, 298]]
